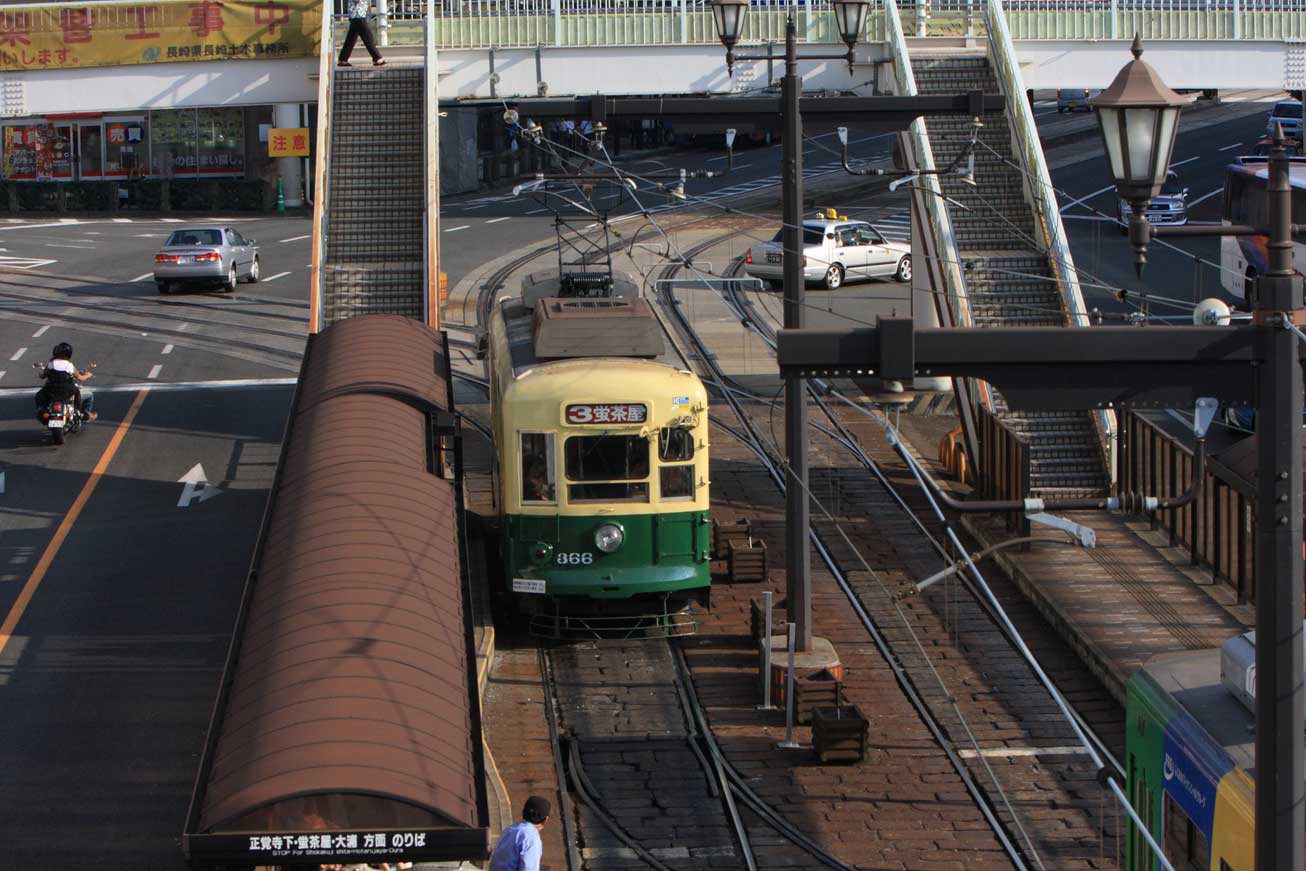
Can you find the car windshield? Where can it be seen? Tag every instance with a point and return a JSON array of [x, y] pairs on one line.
[[811, 236], [1172, 187], [195, 237], [1287, 110]]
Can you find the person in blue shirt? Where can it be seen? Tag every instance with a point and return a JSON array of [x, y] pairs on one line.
[[520, 847]]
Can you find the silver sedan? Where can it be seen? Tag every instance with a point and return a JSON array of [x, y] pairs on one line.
[[206, 256]]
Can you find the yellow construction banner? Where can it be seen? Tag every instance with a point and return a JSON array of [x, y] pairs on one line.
[[288, 142], [68, 37]]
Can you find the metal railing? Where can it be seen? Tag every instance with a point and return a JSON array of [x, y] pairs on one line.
[[1216, 529], [581, 23], [1047, 214], [321, 174], [1002, 468]]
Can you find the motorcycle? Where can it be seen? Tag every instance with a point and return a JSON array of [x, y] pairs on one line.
[[62, 417]]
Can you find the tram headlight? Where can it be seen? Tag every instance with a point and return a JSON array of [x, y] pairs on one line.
[[608, 537]]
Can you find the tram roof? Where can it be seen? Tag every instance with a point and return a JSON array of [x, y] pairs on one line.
[[1192, 679]]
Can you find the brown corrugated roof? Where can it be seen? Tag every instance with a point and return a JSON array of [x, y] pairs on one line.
[[352, 677]]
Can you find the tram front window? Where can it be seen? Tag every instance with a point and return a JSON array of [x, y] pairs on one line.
[[606, 464], [676, 445]]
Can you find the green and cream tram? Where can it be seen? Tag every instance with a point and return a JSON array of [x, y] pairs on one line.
[[602, 461]]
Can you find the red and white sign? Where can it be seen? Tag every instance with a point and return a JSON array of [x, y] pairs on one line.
[[607, 413]]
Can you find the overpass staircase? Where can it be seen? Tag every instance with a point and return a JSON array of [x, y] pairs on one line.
[[374, 212], [1002, 248]]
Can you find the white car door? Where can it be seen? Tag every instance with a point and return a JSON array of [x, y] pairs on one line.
[[852, 253], [880, 258]]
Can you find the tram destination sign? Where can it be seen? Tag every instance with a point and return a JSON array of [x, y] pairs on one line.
[[606, 413]]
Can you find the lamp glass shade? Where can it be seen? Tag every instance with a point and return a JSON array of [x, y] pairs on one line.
[[729, 18], [1140, 144], [850, 17], [1109, 122]]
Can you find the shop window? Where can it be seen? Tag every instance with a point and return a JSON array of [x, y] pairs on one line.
[[90, 149], [221, 141], [124, 147], [174, 143], [38, 152], [537, 467]]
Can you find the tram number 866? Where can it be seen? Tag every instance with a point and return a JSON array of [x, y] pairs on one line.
[[575, 559]]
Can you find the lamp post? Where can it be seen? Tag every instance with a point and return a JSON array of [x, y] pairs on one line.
[[850, 16], [1138, 116]]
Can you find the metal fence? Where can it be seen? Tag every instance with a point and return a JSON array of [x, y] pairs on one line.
[[580, 23], [1003, 465], [1216, 529]]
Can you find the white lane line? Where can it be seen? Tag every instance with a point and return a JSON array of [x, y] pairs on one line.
[[167, 221], [141, 277], [171, 386], [496, 220], [17, 354], [1187, 160], [297, 238], [1205, 197], [61, 245], [456, 229], [154, 373], [167, 349], [536, 211], [275, 277], [1227, 147], [1085, 198], [150, 235], [41, 332], [1102, 218], [122, 220], [184, 325], [2, 373]]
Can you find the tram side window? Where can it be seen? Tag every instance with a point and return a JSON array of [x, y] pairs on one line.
[[676, 445], [537, 467], [1185, 845], [608, 466]]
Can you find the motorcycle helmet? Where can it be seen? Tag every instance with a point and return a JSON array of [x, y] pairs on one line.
[[62, 351]]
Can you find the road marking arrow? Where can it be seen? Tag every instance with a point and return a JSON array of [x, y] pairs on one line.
[[197, 487]]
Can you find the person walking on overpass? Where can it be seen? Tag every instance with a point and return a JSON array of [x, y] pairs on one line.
[[520, 847], [358, 27]]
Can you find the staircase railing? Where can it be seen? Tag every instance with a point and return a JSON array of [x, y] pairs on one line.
[[321, 172], [431, 175], [1047, 214], [948, 252]]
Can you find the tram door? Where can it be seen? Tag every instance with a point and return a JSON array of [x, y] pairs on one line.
[[90, 151]]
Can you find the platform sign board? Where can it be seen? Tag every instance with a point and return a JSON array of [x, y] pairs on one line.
[[74, 36], [336, 846], [288, 142]]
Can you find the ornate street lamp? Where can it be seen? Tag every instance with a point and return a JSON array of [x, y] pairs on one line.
[[729, 18], [1139, 117], [850, 16]]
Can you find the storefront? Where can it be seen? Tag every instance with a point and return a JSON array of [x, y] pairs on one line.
[[174, 143]]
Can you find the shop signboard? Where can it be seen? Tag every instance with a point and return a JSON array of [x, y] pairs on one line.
[[288, 142], [37, 152], [72, 36]]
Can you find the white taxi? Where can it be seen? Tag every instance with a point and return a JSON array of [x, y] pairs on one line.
[[835, 250]]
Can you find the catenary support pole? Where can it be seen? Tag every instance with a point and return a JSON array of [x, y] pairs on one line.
[[1280, 762], [797, 555]]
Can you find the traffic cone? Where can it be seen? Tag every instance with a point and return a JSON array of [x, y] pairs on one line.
[[281, 196]]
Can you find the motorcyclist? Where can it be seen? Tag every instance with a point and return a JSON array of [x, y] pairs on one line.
[[63, 382]]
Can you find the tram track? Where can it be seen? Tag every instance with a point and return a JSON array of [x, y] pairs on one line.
[[869, 597]]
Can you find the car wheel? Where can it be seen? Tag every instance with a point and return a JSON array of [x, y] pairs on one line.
[[903, 272], [252, 278], [165, 287], [1061, 110], [230, 284], [833, 277]]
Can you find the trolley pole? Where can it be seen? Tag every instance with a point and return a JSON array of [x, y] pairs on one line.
[[798, 589]]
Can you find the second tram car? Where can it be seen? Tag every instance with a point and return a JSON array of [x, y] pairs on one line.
[[601, 466]]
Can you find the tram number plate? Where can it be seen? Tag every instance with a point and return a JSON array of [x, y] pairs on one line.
[[528, 585], [607, 413]]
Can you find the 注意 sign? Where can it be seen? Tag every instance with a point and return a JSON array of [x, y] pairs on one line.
[[288, 142], [66, 37], [607, 413]]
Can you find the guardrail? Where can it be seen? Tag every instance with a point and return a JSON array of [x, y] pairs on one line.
[[1047, 214], [1003, 466], [591, 23], [321, 173], [1217, 528]]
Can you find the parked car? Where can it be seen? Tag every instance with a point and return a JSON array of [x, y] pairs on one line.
[[1070, 99], [835, 250], [1287, 114], [206, 256], [1170, 206]]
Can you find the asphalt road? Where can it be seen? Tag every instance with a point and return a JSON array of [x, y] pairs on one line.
[[117, 602]]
